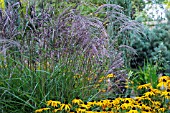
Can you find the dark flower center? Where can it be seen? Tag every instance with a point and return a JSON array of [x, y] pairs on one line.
[[127, 101], [164, 80], [133, 108]]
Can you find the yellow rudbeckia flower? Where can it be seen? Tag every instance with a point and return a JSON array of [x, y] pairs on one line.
[[146, 86], [147, 94], [41, 110], [133, 111], [77, 101], [53, 103], [66, 107], [164, 79], [110, 75], [2, 4]]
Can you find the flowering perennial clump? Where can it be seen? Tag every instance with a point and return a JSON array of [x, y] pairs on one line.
[[151, 101]]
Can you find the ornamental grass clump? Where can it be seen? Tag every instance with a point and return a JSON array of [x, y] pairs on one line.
[[154, 100]]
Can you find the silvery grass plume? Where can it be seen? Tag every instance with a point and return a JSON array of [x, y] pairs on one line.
[[89, 35], [8, 29]]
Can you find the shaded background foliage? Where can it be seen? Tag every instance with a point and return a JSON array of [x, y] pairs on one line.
[[154, 48]]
